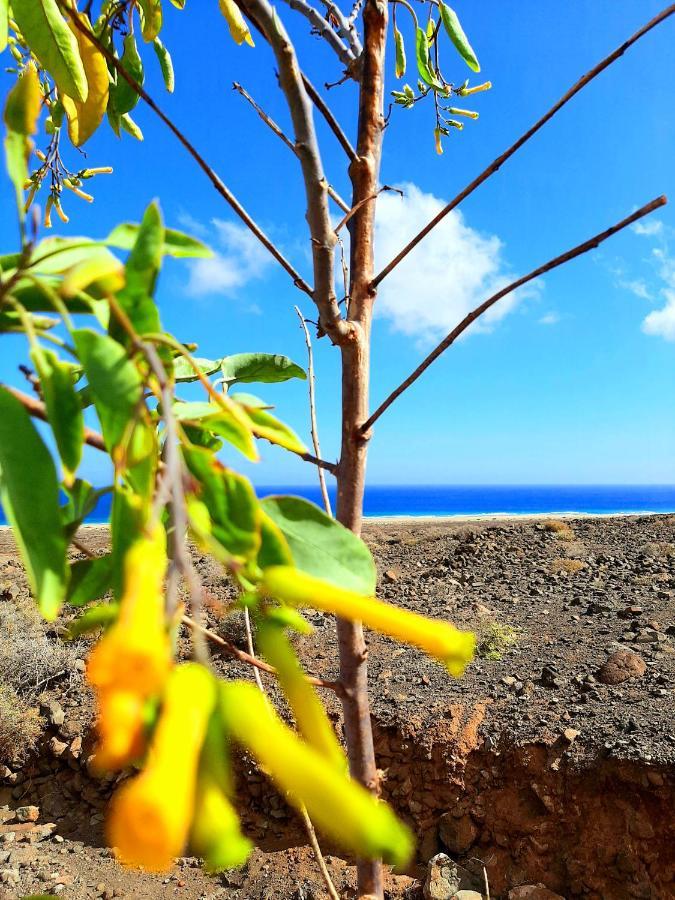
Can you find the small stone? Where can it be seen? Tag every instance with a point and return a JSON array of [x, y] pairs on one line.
[[621, 666], [533, 892], [53, 711], [467, 895], [571, 734], [457, 834], [10, 876], [27, 813], [445, 878], [391, 576], [57, 747]]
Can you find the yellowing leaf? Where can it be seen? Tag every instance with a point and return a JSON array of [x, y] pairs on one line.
[[236, 22], [151, 18], [102, 268], [84, 117], [24, 102]]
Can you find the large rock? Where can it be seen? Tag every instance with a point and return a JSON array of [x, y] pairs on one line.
[[457, 834], [533, 892], [620, 666], [445, 878]]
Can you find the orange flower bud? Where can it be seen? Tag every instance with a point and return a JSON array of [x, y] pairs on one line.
[[121, 730]]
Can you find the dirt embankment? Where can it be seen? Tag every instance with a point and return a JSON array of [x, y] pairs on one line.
[[551, 762]]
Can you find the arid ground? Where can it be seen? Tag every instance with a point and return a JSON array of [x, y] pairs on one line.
[[552, 762]]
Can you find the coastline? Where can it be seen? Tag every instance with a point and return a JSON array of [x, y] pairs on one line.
[[458, 518]]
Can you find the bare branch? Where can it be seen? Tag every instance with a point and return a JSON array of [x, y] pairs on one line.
[[569, 255], [497, 164], [322, 27], [346, 28], [286, 140], [314, 428], [213, 177], [332, 122], [37, 410], [318, 215]]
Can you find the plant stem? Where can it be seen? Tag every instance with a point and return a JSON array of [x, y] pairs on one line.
[[364, 172]]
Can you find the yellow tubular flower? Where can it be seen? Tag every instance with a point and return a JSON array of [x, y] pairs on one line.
[[441, 640], [121, 731], [310, 715], [150, 816], [216, 835], [135, 654], [340, 807]]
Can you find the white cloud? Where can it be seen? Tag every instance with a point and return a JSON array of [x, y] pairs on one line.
[[638, 287], [551, 318], [447, 275], [239, 259], [649, 228], [659, 322]]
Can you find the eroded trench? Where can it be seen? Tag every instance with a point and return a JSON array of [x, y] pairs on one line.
[[585, 827]]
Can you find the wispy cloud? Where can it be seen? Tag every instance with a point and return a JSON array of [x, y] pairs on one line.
[[551, 318], [659, 322], [451, 271], [239, 258]]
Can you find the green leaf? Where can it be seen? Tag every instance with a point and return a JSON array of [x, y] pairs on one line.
[[274, 549], [127, 124], [231, 502], [262, 367], [29, 491], [64, 410], [127, 518], [90, 579], [184, 372], [176, 244], [424, 67], [321, 546], [10, 321], [122, 96], [165, 64], [400, 53], [17, 152], [93, 619], [457, 36], [141, 271], [53, 43], [34, 296], [56, 255], [229, 423], [151, 18], [114, 381], [81, 499]]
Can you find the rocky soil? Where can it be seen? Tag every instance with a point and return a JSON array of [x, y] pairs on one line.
[[550, 763]]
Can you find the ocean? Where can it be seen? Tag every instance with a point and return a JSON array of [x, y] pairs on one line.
[[464, 500]]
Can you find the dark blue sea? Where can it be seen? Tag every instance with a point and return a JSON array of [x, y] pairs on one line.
[[463, 500]]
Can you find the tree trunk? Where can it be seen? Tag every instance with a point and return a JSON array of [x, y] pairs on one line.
[[364, 172]]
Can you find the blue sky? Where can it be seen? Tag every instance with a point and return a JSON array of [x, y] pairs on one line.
[[573, 382]]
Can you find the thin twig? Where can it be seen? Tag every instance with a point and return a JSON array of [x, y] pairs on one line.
[[346, 29], [213, 177], [323, 29], [283, 137], [314, 428], [81, 547], [331, 121], [497, 164], [234, 651], [314, 843], [449, 339], [251, 649], [38, 411]]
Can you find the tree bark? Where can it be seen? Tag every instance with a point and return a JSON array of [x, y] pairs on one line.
[[364, 172]]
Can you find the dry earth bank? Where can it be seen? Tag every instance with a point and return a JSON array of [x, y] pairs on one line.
[[551, 762]]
